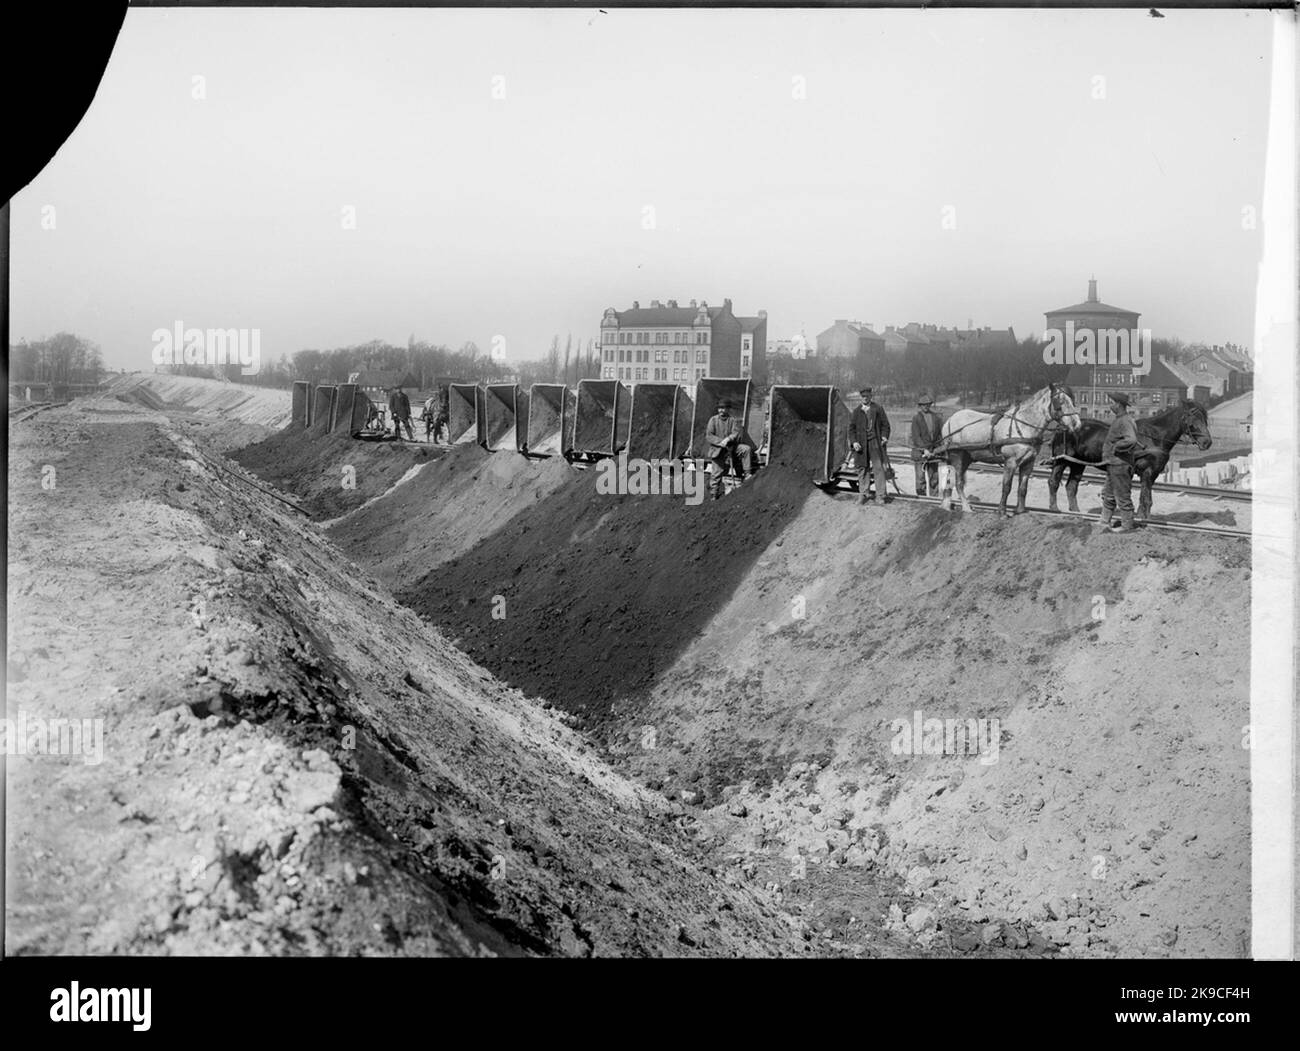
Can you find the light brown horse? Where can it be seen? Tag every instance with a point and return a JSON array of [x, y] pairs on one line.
[[1010, 438]]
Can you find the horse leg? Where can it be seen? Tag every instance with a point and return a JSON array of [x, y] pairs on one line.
[[1072, 486], [1009, 468], [1144, 501], [1054, 483], [1026, 469], [961, 474]]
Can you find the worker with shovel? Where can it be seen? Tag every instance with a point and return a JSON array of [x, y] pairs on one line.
[[926, 428], [868, 436]]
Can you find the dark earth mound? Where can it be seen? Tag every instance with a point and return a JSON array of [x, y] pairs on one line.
[[331, 473], [613, 586]]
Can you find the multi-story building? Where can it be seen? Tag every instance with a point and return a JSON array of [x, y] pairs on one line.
[[1225, 371], [1092, 314], [668, 343], [848, 339], [1150, 392]]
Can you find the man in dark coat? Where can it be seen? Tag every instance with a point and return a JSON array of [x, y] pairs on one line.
[[868, 436], [399, 407], [926, 425], [727, 445], [1121, 447]]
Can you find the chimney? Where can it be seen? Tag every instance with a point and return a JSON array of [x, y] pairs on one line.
[[672, 303], [655, 303], [1092, 290], [762, 315], [693, 304], [726, 304], [636, 304]]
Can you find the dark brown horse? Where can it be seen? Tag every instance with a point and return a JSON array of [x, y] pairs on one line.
[[1187, 420]]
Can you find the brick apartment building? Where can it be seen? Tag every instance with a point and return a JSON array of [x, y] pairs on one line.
[[668, 343]]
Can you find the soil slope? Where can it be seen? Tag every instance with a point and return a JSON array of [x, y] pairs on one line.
[[291, 762]]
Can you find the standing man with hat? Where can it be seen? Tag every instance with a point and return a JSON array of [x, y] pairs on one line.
[[868, 433], [926, 425], [726, 437], [1121, 447]]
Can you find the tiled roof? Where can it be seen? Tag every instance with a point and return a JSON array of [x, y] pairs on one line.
[[663, 317], [1092, 308], [1159, 376]]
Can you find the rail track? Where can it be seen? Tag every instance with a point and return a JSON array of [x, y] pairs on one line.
[[844, 484], [903, 454]]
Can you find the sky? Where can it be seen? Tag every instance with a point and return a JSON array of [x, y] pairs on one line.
[[510, 174]]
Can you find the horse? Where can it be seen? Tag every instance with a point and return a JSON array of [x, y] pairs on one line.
[[1187, 420], [1010, 437]]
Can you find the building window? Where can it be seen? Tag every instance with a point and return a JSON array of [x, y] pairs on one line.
[[699, 374], [701, 337], [744, 361], [701, 355], [609, 372]]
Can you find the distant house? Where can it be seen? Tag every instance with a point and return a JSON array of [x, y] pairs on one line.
[[848, 339], [1092, 314], [901, 340], [1151, 393], [1197, 388], [1233, 420], [376, 383], [665, 342], [1224, 371]]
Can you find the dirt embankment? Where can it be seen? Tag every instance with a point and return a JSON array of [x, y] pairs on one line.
[[262, 406], [452, 505], [587, 598], [331, 473], [1106, 808], [278, 776]]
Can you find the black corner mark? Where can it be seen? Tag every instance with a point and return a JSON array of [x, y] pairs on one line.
[[50, 75]]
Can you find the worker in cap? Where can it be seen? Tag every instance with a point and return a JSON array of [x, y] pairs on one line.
[[728, 446], [926, 425], [1121, 447], [868, 435]]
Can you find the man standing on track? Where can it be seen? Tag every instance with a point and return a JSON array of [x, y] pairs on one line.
[[926, 425], [399, 407], [1121, 447], [726, 437], [868, 435]]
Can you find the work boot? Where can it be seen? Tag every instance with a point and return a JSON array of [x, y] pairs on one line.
[[1125, 523], [863, 499]]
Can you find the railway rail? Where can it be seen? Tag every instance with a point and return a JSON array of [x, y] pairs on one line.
[[845, 484], [903, 454]]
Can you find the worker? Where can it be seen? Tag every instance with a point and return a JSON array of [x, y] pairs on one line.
[[727, 446], [399, 407], [926, 425], [868, 435], [1121, 447], [430, 418]]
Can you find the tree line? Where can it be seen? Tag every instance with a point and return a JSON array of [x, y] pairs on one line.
[[981, 375], [63, 358]]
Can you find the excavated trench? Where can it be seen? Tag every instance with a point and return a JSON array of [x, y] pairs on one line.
[[755, 658]]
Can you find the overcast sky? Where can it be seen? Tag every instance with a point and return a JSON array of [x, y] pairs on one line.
[[525, 216]]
